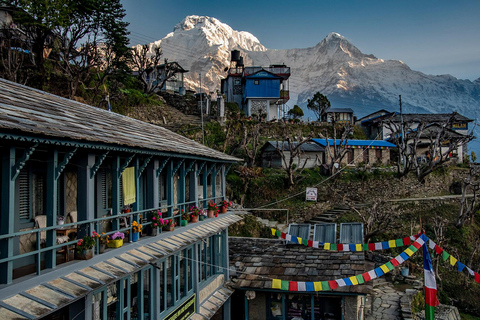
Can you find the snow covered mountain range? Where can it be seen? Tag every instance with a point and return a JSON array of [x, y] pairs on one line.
[[335, 67]]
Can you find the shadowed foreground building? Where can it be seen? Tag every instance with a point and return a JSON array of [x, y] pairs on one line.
[[64, 175], [257, 261]]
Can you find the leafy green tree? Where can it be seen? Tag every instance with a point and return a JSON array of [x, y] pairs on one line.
[[296, 112], [319, 105]]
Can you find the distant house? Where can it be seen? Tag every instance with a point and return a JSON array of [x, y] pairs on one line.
[[366, 151], [174, 84], [311, 152], [341, 115], [260, 91], [254, 297], [375, 126]]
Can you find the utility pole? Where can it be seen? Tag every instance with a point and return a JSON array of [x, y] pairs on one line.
[[201, 107], [403, 131]]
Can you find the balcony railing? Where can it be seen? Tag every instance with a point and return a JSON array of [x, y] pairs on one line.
[[86, 227], [280, 71]]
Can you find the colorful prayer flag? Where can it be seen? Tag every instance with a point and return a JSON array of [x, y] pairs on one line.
[[379, 272], [366, 276], [384, 268], [301, 286], [310, 286], [347, 281], [431, 300], [392, 244], [317, 285], [407, 241], [326, 246], [358, 247], [325, 286], [360, 278], [332, 284], [399, 243], [438, 250], [354, 280], [292, 286], [371, 246], [445, 255], [285, 285], [460, 266], [276, 284], [453, 260], [340, 247], [395, 262], [341, 282], [274, 232]]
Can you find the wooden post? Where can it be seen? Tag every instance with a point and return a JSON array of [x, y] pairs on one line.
[[51, 207], [115, 190], [169, 167], [153, 192], [205, 187], [7, 214], [86, 194], [181, 186]]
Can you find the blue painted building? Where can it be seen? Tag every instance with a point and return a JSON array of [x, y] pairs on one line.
[[69, 169], [261, 91]]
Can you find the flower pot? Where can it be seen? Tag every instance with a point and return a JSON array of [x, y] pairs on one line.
[[224, 209], [210, 213], [183, 223], [84, 255], [201, 218], [117, 243], [168, 228], [152, 231], [135, 236], [194, 219], [101, 248]]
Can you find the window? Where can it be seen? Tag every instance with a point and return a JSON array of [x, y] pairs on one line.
[[325, 232], [256, 82], [351, 232], [24, 196], [299, 230], [236, 82]]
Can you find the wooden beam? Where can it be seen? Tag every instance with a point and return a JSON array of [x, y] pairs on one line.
[[190, 166], [228, 168], [162, 165], [199, 170], [144, 165], [97, 164], [177, 167], [22, 161], [125, 165], [66, 159]]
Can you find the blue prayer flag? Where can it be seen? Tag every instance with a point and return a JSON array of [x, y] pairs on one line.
[[379, 272]]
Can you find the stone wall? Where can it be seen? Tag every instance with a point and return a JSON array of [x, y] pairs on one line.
[[353, 307], [256, 307]]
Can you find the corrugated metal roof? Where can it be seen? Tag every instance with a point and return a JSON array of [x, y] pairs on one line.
[[47, 297], [29, 111], [360, 143]]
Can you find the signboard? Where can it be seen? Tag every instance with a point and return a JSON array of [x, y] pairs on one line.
[[460, 126], [184, 311], [311, 194]]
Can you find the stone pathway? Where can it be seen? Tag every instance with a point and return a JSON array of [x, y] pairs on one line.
[[385, 301]]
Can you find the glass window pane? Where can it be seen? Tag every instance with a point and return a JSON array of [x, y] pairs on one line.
[[182, 278]]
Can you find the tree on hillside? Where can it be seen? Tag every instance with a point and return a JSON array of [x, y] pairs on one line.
[[296, 112], [251, 133], [336, 146], [291, 151], [318, 104], [468, 207], [441, 141]]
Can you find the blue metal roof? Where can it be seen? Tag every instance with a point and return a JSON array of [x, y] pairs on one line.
[[357, 143]]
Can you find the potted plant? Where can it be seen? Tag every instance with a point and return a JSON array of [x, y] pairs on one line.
[[212, 209], [194, 213], [156, 222], [203, 215], [84, 248], [136, 230], [102, 242], [116, 240], [185, 217], [225, 204], [169, 225]]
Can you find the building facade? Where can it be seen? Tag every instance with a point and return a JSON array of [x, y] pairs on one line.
[[69, 169], [311, 155], [260, 91]]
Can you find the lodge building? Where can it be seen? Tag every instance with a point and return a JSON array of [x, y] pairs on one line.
[[63, 176]]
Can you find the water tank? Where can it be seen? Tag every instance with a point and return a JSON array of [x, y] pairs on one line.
[[240, 62], [235, 55]]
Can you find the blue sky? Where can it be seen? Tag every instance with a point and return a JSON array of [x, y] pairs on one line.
[[435, 37]]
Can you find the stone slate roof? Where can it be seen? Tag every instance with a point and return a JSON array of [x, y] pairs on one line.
[[339, 110], [27, 111], [418, 117], [257, 261], [306, 147]]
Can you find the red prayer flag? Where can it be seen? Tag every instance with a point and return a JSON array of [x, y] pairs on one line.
[[366, 276], [283, 235], [417, 245], [477, 277], [438, 250], [371, 246], [394, 262], [340, 247], [292, 286], [310, 243], [407, 241], [333, 284]]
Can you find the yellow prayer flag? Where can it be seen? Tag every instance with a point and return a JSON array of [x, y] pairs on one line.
[[354, 280], [453, 260], [276, 284], [358, 247], [384, 268], [274, 232], [392, 244], [300, 240], [318, 286], [128, 181], [409, 252], [326, 246]]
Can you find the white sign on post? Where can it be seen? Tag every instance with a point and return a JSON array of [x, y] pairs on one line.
[[311, 194]]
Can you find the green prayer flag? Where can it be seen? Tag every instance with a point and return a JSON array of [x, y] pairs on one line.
[[333, 247], [389, 265], [285, 285], [305, 242], [413, 249], [399, 242], [325, 285], [279, 233], [360, 279], [445, 255], [365, 247]]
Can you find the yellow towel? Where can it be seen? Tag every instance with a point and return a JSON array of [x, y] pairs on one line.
[[128, 180]]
